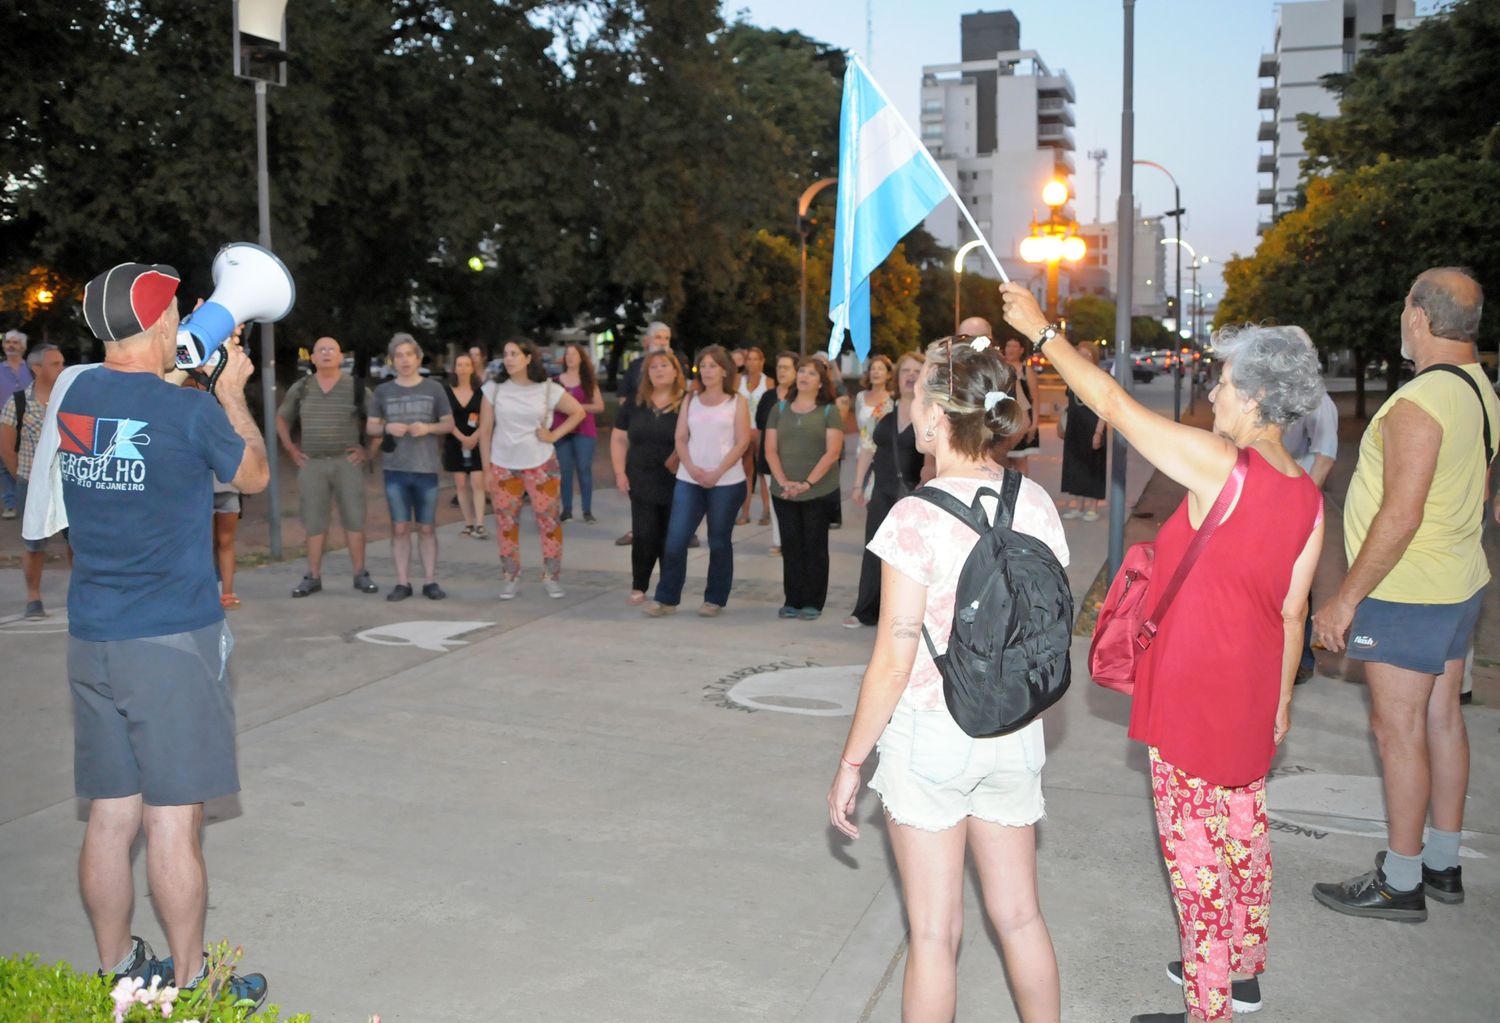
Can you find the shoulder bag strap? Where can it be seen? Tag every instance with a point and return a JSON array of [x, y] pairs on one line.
[[1484, 412], [953, 506], [1232, 487], [1010, 493]]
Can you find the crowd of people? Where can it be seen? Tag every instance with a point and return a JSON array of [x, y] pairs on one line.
[[1212, 691]]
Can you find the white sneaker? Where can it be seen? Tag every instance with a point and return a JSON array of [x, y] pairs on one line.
[[554, 588], [508, 589], [1090, 516], [8, 513], [1072, 513]]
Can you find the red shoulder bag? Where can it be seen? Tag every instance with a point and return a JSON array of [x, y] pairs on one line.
[[1123, 631]]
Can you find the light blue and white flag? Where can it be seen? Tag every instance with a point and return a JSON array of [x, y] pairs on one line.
[[888, 184]]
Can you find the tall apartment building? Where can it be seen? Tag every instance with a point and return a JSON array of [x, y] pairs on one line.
[[1000, 125], [1099, 273], [1313, 38]]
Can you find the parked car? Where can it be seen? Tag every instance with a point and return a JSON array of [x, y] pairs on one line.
[[1142, 371]]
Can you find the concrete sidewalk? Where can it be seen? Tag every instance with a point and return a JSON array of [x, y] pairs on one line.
[[562, 810]]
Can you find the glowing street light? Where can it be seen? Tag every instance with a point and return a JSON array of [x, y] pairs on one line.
[[476, 264], [1053, 241]]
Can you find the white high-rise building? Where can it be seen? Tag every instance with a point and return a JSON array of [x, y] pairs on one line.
[[1099, 273], [1000, 125], [1313, 38]]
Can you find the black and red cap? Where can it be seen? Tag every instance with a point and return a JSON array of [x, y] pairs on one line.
[[127, 299]]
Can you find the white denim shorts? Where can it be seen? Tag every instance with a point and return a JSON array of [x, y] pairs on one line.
[[932, 774]]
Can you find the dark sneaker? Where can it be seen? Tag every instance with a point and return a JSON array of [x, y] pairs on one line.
[[252, 987], [1447, 886], [810, 614], [589, 518], [1303, 675], [309, 585], [1369, 895], [432, 591], [1245, 994], [364, 584], [143, 964], [35, 610], [565, 517], [398, 592], [625, 541], [1160, 1017], [788, 612]]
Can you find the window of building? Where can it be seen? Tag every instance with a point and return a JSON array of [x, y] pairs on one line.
[[1387, 20], [1348, 28]]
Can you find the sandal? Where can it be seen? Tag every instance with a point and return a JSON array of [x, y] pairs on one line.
[[228, 601], [743, 520], [466, 531], [479, 533]]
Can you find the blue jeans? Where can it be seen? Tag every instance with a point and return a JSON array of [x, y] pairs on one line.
[[690, 503], [7, 487], [411, 496], [576, 454]]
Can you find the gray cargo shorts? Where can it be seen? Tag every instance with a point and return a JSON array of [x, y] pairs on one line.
[[153, 716]]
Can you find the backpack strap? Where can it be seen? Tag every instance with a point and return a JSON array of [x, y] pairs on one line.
[[967, 514], [19, 397], [1484, 412], [1231, 489]]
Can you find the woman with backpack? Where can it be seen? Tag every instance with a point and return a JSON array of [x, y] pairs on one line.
[[804, 442], [1212, 692], [944, 791]]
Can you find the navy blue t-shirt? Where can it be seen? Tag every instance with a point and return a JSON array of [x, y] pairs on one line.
[[138, 459]]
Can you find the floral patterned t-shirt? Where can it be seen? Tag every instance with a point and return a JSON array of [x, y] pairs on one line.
[[928, 545]]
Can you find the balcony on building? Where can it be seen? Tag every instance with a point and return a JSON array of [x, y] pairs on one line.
[[1268, 99], [1265, 197], [1054, 134], [1059, 83], [1267, 131], [1270, 65], [1063, 162], [1054, 108], [1263, 227], [1266, 164]]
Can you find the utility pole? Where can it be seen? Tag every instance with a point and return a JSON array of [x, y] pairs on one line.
[[1098, 156], [1124, 215]]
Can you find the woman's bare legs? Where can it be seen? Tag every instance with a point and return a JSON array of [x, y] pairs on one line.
[[477, 488], [932, 887], [1006, 858]]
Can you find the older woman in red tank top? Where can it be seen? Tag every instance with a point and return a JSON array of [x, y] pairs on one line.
[[1213, 693]]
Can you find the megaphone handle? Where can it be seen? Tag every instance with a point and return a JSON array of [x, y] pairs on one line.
[[218, 370]]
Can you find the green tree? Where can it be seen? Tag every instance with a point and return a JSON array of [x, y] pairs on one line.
[[1091, 318]]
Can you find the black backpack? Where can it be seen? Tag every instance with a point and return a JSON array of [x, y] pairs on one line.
[[1008, 656]]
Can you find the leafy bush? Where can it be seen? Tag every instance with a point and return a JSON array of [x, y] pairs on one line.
[[32, 992]]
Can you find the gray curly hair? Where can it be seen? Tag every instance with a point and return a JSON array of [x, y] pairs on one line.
[[1276, 366]]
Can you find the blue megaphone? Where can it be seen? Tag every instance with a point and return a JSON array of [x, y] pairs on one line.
[[250, 283]]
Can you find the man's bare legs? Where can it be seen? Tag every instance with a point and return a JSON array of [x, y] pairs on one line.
[[401, 551], [179, 881], [1448, 749], [1398, 716], [31, 570], [104, 875], [428, 545], [356, 549], [315, 553]]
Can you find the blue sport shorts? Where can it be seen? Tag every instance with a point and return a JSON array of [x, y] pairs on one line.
[[1417, 637]]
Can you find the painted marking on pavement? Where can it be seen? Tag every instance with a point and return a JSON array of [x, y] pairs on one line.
[[438, 637], [791, 687]]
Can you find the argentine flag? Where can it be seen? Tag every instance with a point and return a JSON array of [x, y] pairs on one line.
[[888, 184]]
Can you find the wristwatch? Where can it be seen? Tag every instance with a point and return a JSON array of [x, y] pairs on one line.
[[1049, 332]]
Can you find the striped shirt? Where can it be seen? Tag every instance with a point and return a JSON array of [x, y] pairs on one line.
[[330, 422]]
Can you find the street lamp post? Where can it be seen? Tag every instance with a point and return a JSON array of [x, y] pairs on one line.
[[1124, 213], [260, 55], [1054, 241], [1176, 215], [802, 204], [958, 272]]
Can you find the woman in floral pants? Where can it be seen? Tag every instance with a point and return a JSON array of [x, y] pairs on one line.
[[516, 447]]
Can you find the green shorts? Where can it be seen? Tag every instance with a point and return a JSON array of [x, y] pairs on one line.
[[324, 480]]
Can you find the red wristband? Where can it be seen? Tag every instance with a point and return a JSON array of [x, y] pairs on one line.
[[851, 763]]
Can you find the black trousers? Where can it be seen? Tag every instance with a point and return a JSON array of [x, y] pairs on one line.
[[867, 604], [648, 527], [804, 548]]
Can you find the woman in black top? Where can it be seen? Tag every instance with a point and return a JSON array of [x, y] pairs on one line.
[[461, 447], [897, 466], [642, 448], [1084, 456], [786, 383], [1025, 391]]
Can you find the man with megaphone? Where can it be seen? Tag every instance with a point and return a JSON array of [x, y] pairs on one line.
[[129, 460]]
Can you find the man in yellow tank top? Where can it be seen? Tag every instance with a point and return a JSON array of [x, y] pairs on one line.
[[1417, 574]]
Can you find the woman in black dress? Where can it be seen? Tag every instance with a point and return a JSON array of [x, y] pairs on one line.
[[642, 449], [1084, 454], [786, 382], [897, 466], [1017, 355], [461, 447]]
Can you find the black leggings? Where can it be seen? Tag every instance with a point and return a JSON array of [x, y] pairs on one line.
[[648, 526]]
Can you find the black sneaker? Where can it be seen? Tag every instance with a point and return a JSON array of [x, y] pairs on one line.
[[432, 591], [1303, 675], [1447, 886], [588, 517], [398, 592], [363, 583], [252, 987], [1245, 994], [309, 585], [1369, 895], [142, 964]]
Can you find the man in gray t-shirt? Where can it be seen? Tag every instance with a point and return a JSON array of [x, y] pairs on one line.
[[407, 418]]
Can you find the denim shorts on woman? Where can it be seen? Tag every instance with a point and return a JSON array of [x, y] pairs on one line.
[[1417, 637], [153, 716], [412, 496], [932, 774]]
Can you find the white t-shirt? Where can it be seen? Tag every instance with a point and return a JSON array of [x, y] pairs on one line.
[[929, 545], [753, 396], [519, 410]]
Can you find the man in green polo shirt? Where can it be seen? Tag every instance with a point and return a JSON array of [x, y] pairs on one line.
[[329, 406]]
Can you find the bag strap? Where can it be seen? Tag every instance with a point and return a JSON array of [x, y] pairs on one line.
[[972, 515], [1484, 412], [1231, 489], [19, 397]]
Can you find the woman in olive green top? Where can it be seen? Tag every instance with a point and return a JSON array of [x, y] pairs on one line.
[[804, 438]]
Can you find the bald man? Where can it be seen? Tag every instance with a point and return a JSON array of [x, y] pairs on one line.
[[976, 326], [1408, 607]]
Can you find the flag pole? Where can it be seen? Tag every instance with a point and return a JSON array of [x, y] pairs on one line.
[[926, 155]]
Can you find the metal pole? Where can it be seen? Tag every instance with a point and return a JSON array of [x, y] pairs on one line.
[[267, 330], [1125, 215], [802, 334], [957, 275], [1177, 341]]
